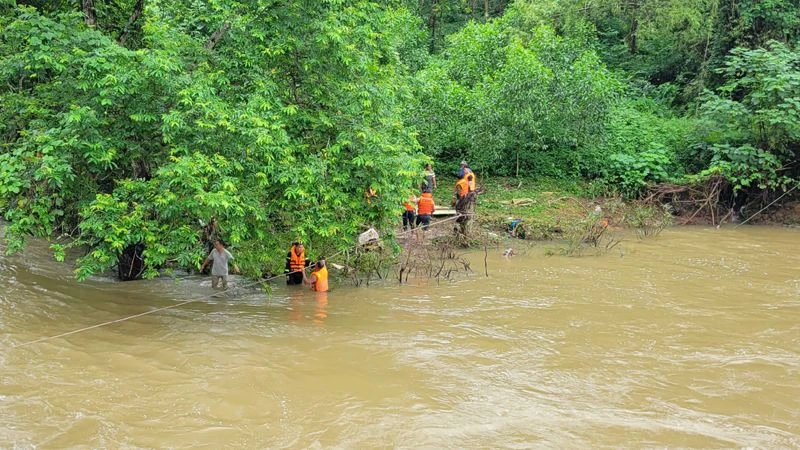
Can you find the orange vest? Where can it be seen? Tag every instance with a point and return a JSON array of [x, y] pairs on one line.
[[409, 207], [426, 205], [470, 176], [321, 285], [297, 262], [462, 187]]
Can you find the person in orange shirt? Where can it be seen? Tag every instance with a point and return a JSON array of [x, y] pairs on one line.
[[466, 172], [319, 277]]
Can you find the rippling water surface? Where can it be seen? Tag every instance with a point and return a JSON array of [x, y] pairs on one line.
[[688, 340]]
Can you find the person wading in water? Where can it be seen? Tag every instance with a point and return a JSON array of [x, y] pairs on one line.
[[319, 277], [219, 258], [295, 263]]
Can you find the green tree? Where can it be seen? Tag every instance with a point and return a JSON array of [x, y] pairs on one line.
[[272, 117], [513, 99], [750, 128]]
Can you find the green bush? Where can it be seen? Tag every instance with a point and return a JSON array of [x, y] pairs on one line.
[[641, 147], [750, 127], [514, 99]]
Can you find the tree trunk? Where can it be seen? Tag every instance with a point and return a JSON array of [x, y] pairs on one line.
[[486, 9], [432, 24], [633, 38], [130, 263], [217, 36], [633, 45], [89, 13]]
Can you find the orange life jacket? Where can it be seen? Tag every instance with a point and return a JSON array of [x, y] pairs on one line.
[[321, 285], [426, 205], [297, 262], [409, 207], [471, 179], [462, 187]]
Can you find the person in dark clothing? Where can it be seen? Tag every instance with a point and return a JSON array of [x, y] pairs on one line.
[[295, 263], [429, 180], [463, 170]]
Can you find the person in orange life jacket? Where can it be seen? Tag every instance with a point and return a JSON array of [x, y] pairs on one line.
[[295, 263], [425, 209], [409, 213], [465, 171], [319, 277], [462, 188]]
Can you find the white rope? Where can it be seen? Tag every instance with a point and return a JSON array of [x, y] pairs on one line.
[[762, 209], [260, 281]]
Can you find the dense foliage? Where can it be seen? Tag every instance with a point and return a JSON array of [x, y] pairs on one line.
[[136, 121], [513, 99], [626, 92], [275, 118]]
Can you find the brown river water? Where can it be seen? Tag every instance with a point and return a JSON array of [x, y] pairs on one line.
[[691, 339]]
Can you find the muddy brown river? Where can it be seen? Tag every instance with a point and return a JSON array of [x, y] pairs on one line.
[[691, 339]]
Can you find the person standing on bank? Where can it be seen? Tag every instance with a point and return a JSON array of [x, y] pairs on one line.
[[409, 213], [319, 277], [219, 258], [429, 184], [295, 263], [425, 209], [466, 172]]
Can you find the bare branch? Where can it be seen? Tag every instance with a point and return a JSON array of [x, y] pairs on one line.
[[217, 36], [135, 15]]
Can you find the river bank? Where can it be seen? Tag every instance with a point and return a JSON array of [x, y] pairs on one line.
[[549, 209]]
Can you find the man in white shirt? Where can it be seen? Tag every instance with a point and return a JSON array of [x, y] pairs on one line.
[[219, 270]]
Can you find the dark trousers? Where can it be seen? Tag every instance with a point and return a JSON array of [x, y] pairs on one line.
[[424, 220], [408, 220], [294, 278]]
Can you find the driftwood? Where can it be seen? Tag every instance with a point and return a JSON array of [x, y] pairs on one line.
[[519, 202], [701, 200], [436, 259]]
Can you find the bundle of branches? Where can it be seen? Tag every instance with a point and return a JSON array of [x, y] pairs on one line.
[[364, 263], [435, 259], [706, 201]]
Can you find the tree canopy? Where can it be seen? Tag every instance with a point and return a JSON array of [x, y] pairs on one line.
[[272, 117], [138, 121]]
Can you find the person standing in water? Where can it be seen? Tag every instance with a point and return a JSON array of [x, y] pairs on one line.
[[219, 258], [319, 277], [295, 263]]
